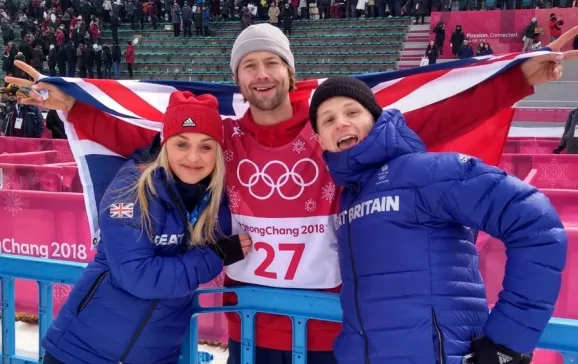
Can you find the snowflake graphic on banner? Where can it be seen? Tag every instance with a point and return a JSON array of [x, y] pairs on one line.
[[13, 203], [491, 23], [553, 173], [63, 153], [233, 196], [525, 17], [459, 18], [299, 146], [228, 155], [328, 192], [310, 205], [534, 147], [32, 178], [60, 292], [8, 181], [313, 136]]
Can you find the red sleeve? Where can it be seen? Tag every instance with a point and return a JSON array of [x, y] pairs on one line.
[[442, 121], [104, 129]]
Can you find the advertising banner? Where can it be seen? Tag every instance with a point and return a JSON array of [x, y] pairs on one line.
[[54, 225], [503, 29]]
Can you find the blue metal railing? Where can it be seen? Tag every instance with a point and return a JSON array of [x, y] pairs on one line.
[[560, 335]]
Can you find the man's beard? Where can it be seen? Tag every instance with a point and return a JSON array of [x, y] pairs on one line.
[[267, 104]]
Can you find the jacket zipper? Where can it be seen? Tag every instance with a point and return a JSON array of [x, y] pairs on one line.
[[86, 300], [176, 199], [139, 330], [440, 337], [153, 304], [91, 292], [355, 280]]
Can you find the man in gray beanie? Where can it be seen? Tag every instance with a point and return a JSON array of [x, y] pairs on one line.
[[263, 67], [261, 38]]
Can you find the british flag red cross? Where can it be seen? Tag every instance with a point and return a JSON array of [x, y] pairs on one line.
[[121, 210]]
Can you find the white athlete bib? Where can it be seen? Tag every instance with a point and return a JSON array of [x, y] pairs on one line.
[[285, 200]]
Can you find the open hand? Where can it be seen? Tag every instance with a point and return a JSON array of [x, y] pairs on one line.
[[246, 243], [549, 67], [57, 100]]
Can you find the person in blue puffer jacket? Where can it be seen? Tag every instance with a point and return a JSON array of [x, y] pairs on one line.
[[412, 290], [160, 238]]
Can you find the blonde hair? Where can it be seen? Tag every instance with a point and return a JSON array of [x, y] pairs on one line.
[[204, 229]]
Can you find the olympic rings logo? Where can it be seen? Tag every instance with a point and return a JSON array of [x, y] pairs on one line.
[[281, 181]]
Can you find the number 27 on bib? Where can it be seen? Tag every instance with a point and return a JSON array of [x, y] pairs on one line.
[[290, 262]]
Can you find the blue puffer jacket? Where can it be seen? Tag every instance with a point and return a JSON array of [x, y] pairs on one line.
[[134, 280], [412, 291]]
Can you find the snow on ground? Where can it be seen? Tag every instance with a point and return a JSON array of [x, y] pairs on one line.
[[27, 344]]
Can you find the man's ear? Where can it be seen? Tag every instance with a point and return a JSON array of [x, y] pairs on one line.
[[320, 141]]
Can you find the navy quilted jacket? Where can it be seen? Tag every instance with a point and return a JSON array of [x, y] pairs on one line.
[[135, 280], [412, 291]]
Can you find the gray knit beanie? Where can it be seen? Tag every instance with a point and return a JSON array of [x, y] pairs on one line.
[[261, 37]]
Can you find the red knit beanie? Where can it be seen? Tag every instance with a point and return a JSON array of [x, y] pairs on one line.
[[188, 113]]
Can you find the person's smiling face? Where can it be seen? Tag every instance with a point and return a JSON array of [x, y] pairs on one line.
[[191, 156], [342, 123]]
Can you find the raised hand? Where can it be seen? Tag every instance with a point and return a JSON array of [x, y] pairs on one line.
[[549, 67], [57, 100]]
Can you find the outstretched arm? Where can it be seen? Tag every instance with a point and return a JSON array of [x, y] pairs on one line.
[[457, 115], [486, 198], [88, 121], [110, 132]]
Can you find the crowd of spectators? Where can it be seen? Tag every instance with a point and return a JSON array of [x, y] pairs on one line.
[[67, 35]]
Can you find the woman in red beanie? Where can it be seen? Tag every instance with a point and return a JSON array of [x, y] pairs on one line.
[[163, 231]]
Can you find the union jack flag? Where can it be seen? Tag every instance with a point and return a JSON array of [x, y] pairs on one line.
[[121, 210], [113, 118]]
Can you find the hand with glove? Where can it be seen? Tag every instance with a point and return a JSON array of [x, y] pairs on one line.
[[558, 150], [233, 248], [486, 352]]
